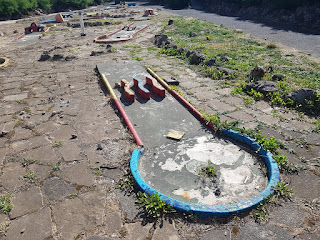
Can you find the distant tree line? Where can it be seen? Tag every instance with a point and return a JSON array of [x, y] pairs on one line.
[[175, 4], [277, 4], [16, 8]]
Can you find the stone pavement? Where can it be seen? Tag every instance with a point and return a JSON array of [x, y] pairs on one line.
[[63, 147]]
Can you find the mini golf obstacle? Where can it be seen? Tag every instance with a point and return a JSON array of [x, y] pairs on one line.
[[3, 62], [125, 33], [247, 174]]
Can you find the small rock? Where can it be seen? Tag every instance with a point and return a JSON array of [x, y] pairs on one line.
[[170, 22], [94, 53], [197, 58], [257, 72], [69, 58], [217, 192], [99, 147], [57, 57], [193, 34], [15, 31], [1, 34], [161, 40], [109, 48], [263, 87], [226, 71], [278, 77], [224, 57], [44, 57], [211, 62], [303, 96], [74, 136]]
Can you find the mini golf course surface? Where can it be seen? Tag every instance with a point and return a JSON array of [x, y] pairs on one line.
[[123, 34], [172, 167]]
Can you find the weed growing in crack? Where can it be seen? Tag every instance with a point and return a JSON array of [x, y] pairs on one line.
[[5, 205], [209, 171], [27, 161], [4, 227], [57, 144], [153, 205], [56, 167], [127, 184], [281, 191], [31, 177]]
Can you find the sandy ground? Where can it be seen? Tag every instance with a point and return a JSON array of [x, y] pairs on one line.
[[57, 113]]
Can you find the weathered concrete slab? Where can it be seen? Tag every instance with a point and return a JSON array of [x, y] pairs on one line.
[[35, 226], [12, 177], [137, 230], [44, 155], [254, 231], [77, 173], [166, 231], [30, 143], [57, 189], [26, 202], [73, 216], [70, 152]]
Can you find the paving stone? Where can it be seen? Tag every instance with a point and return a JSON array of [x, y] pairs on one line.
[[73, 216], [112, 223], [167, 231], [35, 226], [47, 127], [236, 101], [254, 231], [63, 134], [241, 116], [224, 91], [267, 119], [12, 177], [98, 238], [15, 97], [90, 132], [57, 189], [289, 214], [70, 152], [3, 152], [216, 234], [26, 202], [42, 172], [128, 205], [301, 125], [95, 159], [249, 125], [21, 133], [8, 126], [137, 230], [263, 106], [220, 106], [44, 155], [78, 173], [313, 138], [190, 84], [305, 185], [30, 143]]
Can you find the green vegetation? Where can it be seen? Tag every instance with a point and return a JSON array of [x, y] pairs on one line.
[[56, 167], [238, 53], [209, 171], [260, 213], [5, 205], [57, 144], [27, 161], [16, 8], [31, 177], [153, 205]]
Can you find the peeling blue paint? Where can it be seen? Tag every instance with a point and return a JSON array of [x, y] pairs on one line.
[[204, 210]]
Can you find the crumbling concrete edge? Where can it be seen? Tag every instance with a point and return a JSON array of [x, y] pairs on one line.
[[204, 210]]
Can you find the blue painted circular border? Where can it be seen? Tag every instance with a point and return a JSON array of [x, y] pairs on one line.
[[205, 210]]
